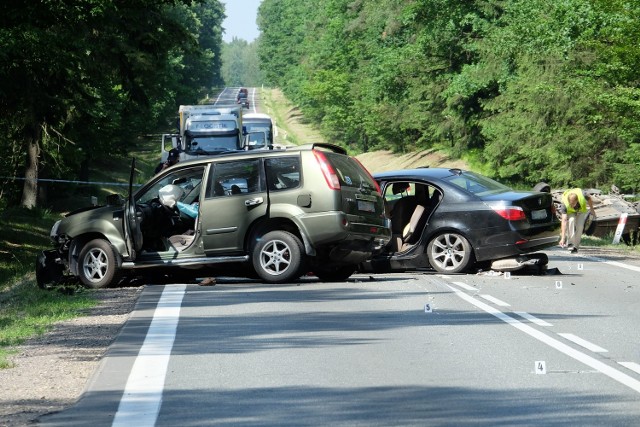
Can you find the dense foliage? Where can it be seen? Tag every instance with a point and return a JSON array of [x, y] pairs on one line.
[[83, 79], [240, 64], [533, 89]]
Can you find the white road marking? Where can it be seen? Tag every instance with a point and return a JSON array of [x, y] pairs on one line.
[[614, 263], [496, 301], [631, 365], [465, 286], [619, 376], [584, 343], [532, 318], [140, 402]]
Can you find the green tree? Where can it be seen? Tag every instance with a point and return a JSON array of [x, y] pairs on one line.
[[81, 79], [240, 64]]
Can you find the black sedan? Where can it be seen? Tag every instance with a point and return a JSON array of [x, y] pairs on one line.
[[451, 220]]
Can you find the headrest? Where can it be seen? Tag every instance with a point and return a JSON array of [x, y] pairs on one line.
[[399, 187]]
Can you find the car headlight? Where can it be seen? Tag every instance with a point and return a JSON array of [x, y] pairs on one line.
[[54, 230]]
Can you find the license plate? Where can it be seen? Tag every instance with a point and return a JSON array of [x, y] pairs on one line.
[[539, 214], [365, 206]]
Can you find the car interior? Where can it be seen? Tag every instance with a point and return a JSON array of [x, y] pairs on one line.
[[409, 206], [168, 211]]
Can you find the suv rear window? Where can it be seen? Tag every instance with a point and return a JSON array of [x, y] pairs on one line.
[[349, 172]]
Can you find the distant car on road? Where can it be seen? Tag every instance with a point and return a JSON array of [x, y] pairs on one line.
[[451, 219], [243, 98]]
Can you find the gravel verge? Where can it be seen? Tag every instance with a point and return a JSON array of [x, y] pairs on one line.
[[52, 370]]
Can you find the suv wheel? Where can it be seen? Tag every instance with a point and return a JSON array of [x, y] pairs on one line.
[[332, 273], [278, 257], [97, 264]]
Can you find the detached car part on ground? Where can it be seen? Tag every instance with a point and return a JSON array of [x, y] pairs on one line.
[[452, 220], [608, 210], [273, 214]]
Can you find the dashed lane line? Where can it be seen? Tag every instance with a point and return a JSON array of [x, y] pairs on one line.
[[612, 373], [584, 343], [533, 319]]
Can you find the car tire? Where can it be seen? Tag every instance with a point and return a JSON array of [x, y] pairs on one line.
[[449, 253], [589, 225], [97, 264], [542, 187], [333, 273], [278, 257], [48, 272]]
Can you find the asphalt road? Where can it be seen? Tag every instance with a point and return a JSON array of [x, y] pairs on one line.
[[400, 349]]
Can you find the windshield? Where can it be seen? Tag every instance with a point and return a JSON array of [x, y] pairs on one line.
[[213, 144], [256, 140], [259, 127]]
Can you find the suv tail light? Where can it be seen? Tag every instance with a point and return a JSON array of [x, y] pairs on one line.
[[510, 213], [327, 170]]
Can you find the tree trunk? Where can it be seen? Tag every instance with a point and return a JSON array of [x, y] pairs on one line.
[[30, 189]]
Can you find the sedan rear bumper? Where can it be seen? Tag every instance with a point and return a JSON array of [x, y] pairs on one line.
[[520, 247]]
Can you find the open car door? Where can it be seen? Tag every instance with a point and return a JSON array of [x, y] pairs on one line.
[[132, 231]]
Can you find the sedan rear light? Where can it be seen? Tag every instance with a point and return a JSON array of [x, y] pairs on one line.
[[327, 170], [510, 213]]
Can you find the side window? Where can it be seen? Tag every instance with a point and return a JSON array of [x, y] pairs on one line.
[[233, 178], [188, 180], [283, 173]]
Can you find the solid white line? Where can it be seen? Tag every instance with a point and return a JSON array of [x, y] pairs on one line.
[[631, 365], [220, 96], [532, 318], [584, 343], [619, 376], [465, 286], [495, 300], [615, 263], [140, 402]]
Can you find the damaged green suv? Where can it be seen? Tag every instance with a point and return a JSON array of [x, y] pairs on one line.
[[274, 214]]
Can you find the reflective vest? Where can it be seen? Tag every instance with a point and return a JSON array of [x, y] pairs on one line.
[[581, 199]]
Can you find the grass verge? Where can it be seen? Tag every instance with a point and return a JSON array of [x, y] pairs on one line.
[[25, 309], [292, 130], [607, 243]]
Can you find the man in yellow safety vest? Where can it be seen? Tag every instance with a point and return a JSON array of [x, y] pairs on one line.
[[574, 214]]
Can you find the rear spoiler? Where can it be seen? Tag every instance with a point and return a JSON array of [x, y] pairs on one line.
[[331, 147]]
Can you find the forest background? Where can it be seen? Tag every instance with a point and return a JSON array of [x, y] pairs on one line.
[[524, 90]]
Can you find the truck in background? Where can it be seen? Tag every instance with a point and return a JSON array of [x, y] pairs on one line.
[[259, 131], [205, 130]]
